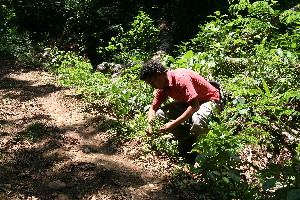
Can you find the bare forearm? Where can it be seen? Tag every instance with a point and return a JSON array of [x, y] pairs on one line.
[[188, 113], [151, 113], [183, 117]]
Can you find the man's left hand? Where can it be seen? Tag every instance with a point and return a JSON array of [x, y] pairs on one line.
[[168, 127]]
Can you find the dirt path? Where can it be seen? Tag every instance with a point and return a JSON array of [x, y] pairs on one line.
[[51, 149]]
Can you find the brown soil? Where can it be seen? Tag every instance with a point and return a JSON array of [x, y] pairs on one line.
[[52, 148]]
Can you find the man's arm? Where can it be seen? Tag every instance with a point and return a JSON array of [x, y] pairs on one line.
[[193, 107], [151, 115]]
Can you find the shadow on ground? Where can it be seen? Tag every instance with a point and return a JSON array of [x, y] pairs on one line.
[[39, 160], [30, 173], [23, 90], [51, 166]]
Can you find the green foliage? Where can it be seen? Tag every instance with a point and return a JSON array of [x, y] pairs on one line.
[[126, 94], [161, 143], [202, 63], [18, 45], [34, 131], [255, 113], [218, 164], [289, 16], [89, 20], [76, 71], [258, 9], [237, 43], [284, 178], [12, 41], [257, 63], [6, 17], [135, 45]]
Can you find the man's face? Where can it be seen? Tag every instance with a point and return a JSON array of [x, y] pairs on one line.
[[157, 81]]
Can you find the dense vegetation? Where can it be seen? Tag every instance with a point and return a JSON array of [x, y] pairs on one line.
[[250, 47]]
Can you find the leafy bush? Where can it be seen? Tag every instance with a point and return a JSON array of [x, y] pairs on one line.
[[161, 143], [257, 64], [135, 45], [125, 94], [14, 42]]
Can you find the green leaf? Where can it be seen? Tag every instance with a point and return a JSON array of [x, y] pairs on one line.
[[269, 184], [226, 180], [266, 88], [239, 101], [201, 156], [294, 45], [235, 175], [210, 174], [234, 156], [216, 173], [232, 120], [243, 111], [115, 89], [188, 55]]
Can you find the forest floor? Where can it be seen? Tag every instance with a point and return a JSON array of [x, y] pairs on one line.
[[51, 147]]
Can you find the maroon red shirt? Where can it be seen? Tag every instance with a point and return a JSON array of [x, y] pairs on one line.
[[185, 85]]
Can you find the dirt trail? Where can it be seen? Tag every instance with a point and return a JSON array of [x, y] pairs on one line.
[[65, 155]]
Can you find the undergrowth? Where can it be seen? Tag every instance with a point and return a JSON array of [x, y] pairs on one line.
[[253, 152]]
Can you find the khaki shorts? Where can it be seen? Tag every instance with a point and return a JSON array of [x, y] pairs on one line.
[[199, 120]]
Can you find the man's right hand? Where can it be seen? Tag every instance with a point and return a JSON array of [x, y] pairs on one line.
[[149, 130], [151, 116]]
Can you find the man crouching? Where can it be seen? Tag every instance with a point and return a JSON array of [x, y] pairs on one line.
[[196, 100]]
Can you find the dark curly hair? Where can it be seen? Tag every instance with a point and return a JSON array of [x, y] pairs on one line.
[[150, 69]]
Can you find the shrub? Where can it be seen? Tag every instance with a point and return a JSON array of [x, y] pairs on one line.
[[135, 45]]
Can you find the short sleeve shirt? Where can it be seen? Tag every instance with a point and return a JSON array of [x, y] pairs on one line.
[[185, 85]]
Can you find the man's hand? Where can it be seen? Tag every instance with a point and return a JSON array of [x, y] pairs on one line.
[[167, 128], [149, 130], [151, 116]]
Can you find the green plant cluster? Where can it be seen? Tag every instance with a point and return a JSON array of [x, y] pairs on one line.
[[135, 44], [159, 142], [256, 60], [124, 95], [13, 43], [34, 131], [84, 25]]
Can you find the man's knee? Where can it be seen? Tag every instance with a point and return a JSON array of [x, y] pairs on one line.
[[172, 110], [160, 113], [202, 117]]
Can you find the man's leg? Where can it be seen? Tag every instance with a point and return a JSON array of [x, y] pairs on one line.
[[181, 132], [172, 110], [202, 117]]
